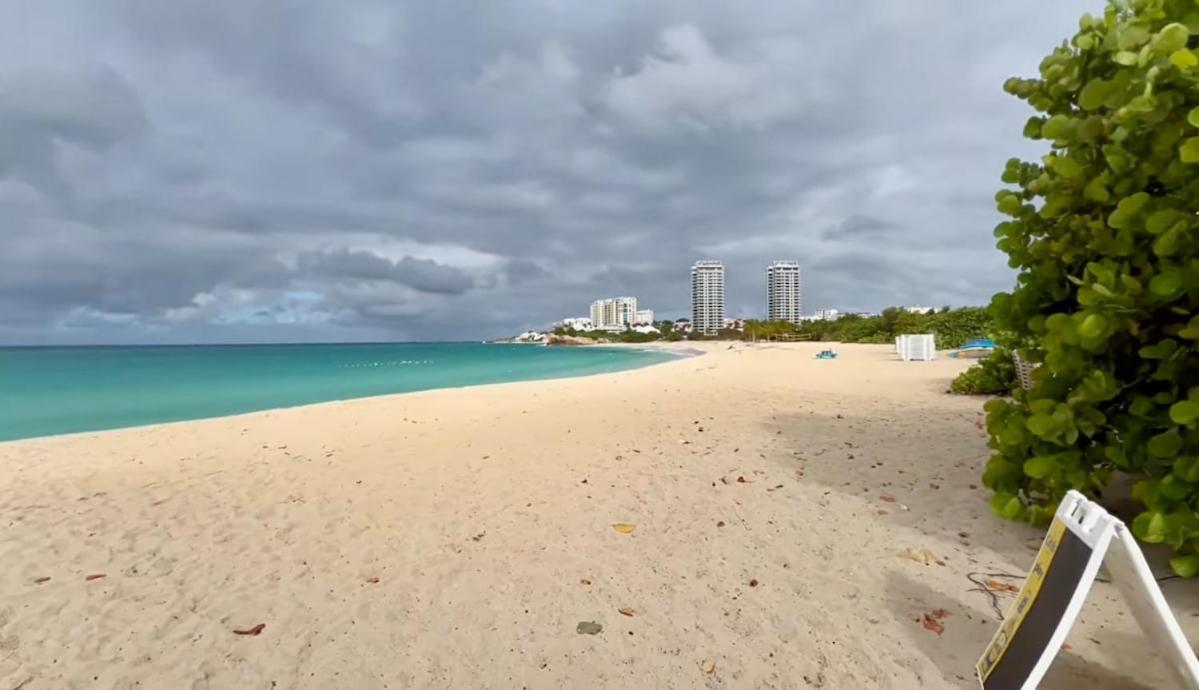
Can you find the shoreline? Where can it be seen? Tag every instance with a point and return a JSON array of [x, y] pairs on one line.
[[780, 517], [342, 401]]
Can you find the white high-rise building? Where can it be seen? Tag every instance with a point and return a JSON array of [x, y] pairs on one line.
[[707, 297], [783, 296], [645, 317], [614, 313]]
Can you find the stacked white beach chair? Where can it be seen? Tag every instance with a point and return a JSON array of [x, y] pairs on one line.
[[916, 348]]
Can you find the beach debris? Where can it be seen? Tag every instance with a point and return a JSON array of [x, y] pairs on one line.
[[627, 611], [887, 498], [624, 527], [775, 488], [252, 632], [964, 535], [373, 579], [742, 480], [479, 536], [932, 621], [41, 580], [921, 556], [708, 666], [585, 582], [1000, 586], [95, 576], [883, 512], [589, 628], [753, 582], [720, 523]]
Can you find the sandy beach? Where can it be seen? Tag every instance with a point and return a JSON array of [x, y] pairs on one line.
[[457, 538]]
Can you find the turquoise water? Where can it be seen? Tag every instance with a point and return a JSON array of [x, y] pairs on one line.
[[57, 390]]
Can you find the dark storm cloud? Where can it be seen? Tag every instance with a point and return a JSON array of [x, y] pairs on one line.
[[423, 275], [222, 170]]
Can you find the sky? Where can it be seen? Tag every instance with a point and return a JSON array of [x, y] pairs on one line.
[[253, 171]]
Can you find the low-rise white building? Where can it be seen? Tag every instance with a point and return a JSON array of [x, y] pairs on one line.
[[578, 323], [645, 328], [824, 315], [643, 317]]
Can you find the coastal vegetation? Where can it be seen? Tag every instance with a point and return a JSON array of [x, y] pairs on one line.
[[952, 327], [1104, 234], [995, 374]]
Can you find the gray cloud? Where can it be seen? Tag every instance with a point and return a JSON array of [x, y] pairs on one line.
[[215, 170], [857, 227], [423, 275]]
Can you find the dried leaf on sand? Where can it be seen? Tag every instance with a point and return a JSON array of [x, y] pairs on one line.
[[922, 556], [627, 611], [1000, 586], [252, 632], [624, 527], [933, 625], [708, 666]]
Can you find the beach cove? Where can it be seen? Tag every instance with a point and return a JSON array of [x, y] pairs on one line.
[[753, 517]]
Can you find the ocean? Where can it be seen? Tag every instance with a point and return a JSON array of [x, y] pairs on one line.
[[58, 390]]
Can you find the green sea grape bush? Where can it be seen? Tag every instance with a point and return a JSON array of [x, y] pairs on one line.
[[1105, 236], [993, 375]]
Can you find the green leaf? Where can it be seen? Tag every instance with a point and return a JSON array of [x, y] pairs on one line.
[[1126, 58], [1009, 204], [1155, 531], [1160, 221], [1168, 244], [1189, 152], [1140, 525], [1172, 37], [1191, 332], [1184, 412], [1096, 190], [1041, 425], [1092, 326], [1058, 127], [1165, 445], [1183, 59], [1186, 566], [1166, 285], [1012, 509], [1133, 204], [1094, 94], [1193, 117], [1040, 466], [1187, 469]]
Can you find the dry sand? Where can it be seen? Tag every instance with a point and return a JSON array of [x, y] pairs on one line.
[[456, 538]]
